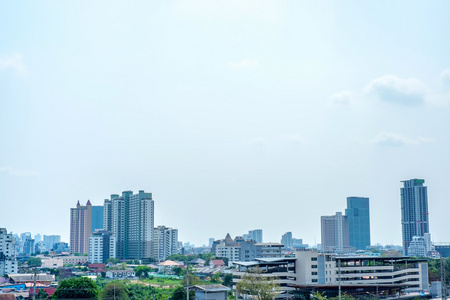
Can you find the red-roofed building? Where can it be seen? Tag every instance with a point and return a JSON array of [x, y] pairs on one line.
[[97, 266], [214, 263]]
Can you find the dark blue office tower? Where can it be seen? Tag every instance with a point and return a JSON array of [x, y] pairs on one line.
[[358, 222]]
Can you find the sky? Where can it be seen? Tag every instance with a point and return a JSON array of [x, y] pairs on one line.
[[236, 115]]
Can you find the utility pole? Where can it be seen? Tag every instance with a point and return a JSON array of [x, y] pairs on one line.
[[339, 276], [443, 287], [34, 284], [187, 280]]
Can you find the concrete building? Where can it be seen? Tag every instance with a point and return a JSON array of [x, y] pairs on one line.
[[61, 247], [286, 240], [420, 246], [211, 292], [165, 242], [52, 262], [414, 206], [39, 247], [315, 269], [8, 253], [75, 260], [268, 250], [80, 228], [132, 223], [282, 270], [228, 248], [256, 235], [358, 216], [50, 240], [102, 246], [28, 247], [335, 234]]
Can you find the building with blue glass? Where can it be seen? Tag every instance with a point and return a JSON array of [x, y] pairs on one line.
[[358, 215], [97, 218], [414, 202]]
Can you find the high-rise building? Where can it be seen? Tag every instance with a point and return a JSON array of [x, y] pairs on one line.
[[414, 205], [28, 247], [256, 235], [335, 233], [131, 218], [286, 240], [80, 228], [50, 240], [8, 253], [102, 246], [38, 238], [97, 218], [358, 215], [165, 242]]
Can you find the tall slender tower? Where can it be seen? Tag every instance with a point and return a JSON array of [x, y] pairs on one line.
[[334, 233], [414, 201], [358, 215], [80, 228]]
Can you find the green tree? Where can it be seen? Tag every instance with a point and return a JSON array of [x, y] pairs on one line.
[[179, 293], [114, 290], [177, 270], [142, 271], [34, 262], [74, 288], [42, 294], [228, 279], [113, 260], [77, 254], [255, 284], [216, 278]]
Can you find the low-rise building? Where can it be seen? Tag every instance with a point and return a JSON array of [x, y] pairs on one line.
[[52, 262], [75, 260], [120, 274]]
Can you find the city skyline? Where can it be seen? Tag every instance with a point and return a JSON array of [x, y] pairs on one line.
[[240, 114]]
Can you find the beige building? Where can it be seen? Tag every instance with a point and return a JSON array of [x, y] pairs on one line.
[[80, 228]]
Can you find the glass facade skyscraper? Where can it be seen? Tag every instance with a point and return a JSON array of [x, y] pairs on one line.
[[97, 218], [414, 202], [358, 222]]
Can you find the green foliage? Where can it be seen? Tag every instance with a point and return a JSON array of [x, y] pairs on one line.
[[319, 296], [34, 262], [216, 278], [76, 288], [193, 280], [42, 294], [113, 260], [253, 283], [228, 279], [77, 254], [180, 294], [142, 271], [177, 270], [114, 290]]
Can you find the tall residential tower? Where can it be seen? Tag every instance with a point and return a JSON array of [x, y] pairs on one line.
[[358, 216], [414, 203]]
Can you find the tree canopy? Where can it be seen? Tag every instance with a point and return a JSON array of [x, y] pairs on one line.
[[114, 290], [34, 262], [257, 285], [74, 288]]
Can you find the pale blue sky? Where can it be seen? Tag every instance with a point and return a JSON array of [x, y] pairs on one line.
[[236, 114]]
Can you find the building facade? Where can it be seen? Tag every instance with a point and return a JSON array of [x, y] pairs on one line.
[[358, 215], [51, 240], [8, 253], [102, 246], [80, 228], [256, 235], [165, 242], [131, 218], [286, 240], [414, 206], [97, 218], [335, 234]]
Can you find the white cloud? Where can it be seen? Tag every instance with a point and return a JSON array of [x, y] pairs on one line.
[[260, 142], [342, 98], [20, 173], [244, 64], [445, 77], [13, 62], [390, 88], [292, 138], [395, 139]]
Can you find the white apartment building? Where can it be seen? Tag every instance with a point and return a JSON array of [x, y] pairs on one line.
[[165, 242], [8, 253], [315, 268], [102, 246]]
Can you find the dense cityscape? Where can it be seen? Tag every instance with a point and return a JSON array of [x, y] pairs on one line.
[[119, 241]]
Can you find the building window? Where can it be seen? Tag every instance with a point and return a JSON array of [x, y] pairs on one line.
[[314, 280], [313, 273], [313, 258], [313, 266]]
